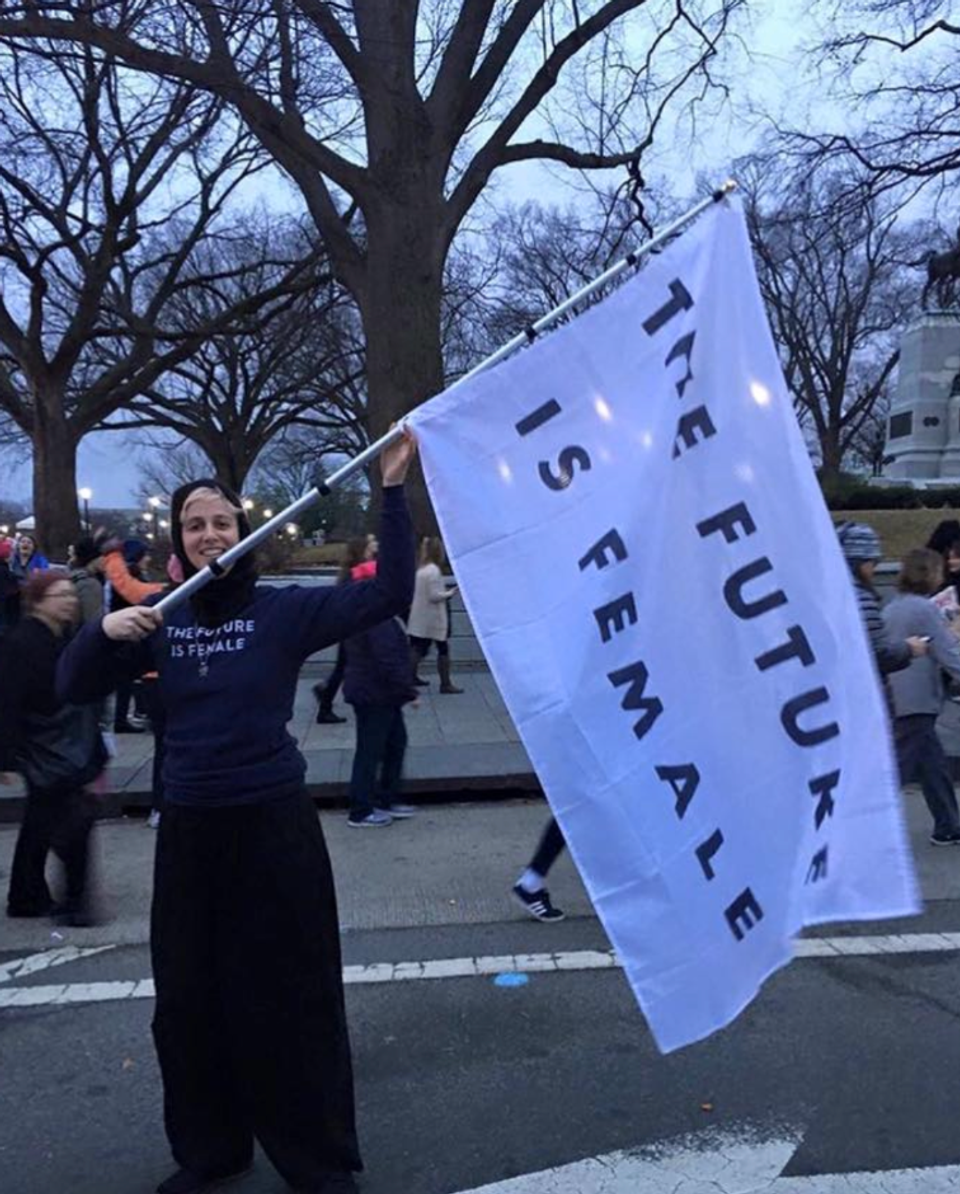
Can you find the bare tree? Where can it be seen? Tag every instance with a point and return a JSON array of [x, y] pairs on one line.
[[297, 362], [289, 467], [899, 66], [392, 119], [109, 184], [837, 287], [547, 253]]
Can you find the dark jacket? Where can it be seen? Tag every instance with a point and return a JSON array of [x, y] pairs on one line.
[[9, 598], [228, 690], [52, 744], [379, 670]]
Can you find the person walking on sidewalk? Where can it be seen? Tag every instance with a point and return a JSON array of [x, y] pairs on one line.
[[359, 563], [242, 872], [130, 588], [918, 690], [56, 747], [378, 682], [429, 621]]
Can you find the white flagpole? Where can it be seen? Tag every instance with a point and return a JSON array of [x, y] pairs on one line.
[[220, 565]]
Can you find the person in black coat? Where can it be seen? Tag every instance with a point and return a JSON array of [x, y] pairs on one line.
[[9, 589], [378, 682], [56, 747]]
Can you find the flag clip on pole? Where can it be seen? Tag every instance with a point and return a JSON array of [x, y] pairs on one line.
[[528, 336]]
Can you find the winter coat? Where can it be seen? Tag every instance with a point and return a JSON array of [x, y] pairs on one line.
[[919, 688], [378, 667], [890, 652], [54, 745], [429, 617], [90, 593], [9, 598]]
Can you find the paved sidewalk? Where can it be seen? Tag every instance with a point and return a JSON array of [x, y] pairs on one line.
[[462, 745], [458, 744]]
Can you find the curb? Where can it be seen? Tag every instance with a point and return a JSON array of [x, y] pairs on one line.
[[326, 794]]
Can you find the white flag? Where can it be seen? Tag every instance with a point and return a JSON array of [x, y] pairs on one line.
[[641, 543]]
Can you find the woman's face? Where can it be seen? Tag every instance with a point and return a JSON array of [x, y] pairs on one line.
[[208, 524], [27, 547], [372, 548], [60, 603], [953, 560]]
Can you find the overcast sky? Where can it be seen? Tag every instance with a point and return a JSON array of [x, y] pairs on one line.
[[773, 33]]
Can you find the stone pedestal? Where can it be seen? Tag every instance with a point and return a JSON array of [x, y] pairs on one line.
[[923, 433]]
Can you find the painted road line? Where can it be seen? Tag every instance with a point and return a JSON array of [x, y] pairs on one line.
[[441, 968], [736, 1162], [49, 957]]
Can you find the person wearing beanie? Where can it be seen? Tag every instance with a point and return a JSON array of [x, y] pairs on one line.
[[861, 549], [247, 1051], [87, 574]]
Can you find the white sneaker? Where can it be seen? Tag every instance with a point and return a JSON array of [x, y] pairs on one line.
[[377, 819], [400, 812], [153, 821]]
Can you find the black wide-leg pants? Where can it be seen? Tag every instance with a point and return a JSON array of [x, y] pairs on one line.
[[250, 1025]]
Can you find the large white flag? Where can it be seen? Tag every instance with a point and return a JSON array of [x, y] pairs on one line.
[[642, 546]]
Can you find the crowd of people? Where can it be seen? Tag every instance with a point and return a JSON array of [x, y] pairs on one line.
[[241, 865]]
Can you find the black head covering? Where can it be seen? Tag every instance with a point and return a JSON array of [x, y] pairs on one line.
[[225, 597], [945, 535], [85, 550]]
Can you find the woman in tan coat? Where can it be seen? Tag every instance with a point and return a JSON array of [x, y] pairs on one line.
[[429, 620]]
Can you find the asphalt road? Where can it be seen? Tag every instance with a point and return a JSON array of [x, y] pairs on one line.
[[463, 1082]]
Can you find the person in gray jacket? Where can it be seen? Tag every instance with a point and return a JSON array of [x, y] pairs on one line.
[[918, 690]]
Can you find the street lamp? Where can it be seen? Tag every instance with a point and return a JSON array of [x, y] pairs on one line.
[[85, 495], [248, 504], [155, 502], [268, 514]]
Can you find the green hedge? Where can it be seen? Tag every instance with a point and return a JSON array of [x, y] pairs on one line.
[[853, 493]]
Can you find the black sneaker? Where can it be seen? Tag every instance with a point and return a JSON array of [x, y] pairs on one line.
[[945, 839], [537, 903], [185, 1182], [327, 717]]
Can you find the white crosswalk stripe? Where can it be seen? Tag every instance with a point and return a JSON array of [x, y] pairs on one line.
[[437, 968]]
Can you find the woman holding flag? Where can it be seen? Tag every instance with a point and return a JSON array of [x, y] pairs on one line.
[[250, 1026]]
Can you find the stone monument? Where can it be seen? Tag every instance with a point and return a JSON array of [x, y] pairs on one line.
[[923, 434]]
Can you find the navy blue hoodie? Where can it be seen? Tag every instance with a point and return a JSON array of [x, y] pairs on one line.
[[229, 690]]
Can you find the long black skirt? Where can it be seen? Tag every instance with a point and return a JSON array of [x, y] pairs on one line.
[[250, 1026]]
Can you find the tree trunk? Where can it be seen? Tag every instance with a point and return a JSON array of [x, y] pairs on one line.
[[230, 462], [55, 506], [401, 308], [831, 455]]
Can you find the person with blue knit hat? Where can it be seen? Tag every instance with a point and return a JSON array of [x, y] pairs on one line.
[[862, 550]]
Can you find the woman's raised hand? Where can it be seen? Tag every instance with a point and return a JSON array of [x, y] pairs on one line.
[[395, 460], [133, 624]]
